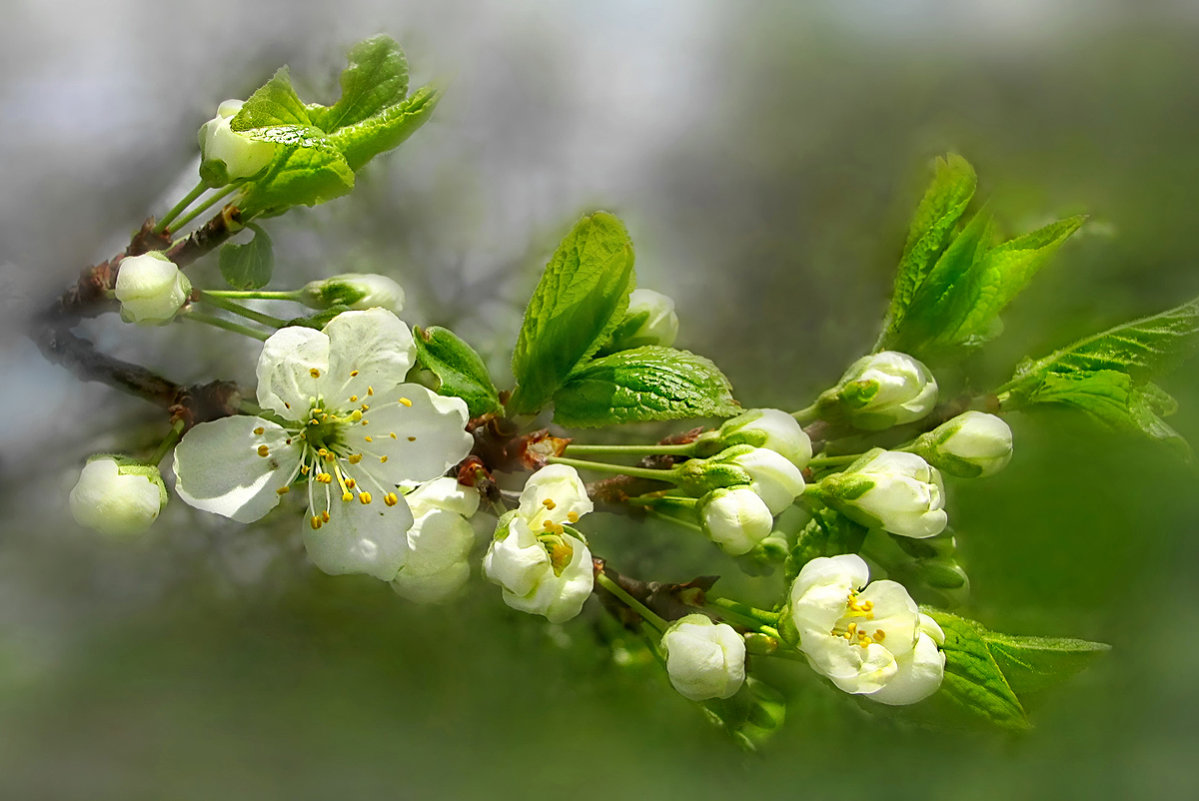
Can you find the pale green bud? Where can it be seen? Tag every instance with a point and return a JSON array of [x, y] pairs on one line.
[[704, 659], [117, 496], [883, 390], [896, 491], [355, 290], [649, 320], [973, 444], [151, 289], [227, 155], [763, 428], [735, 518]]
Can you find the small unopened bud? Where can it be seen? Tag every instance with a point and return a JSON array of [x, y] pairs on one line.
[[649, 320], [772, 476], [227, 155], [117, 496], [899, 492], [355, 290], [704, 659], [735, 518], [151, 289], [973, 444], [883, 390], [763, 428]]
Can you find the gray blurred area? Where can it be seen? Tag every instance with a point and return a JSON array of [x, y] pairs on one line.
[[765, 157]]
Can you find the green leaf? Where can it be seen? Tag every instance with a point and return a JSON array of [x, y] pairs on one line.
[[752, 716], [376, 78], [943, 204], [248, 266], [365, 139], [1034, 663], [642, 384], [581, 298], [299, 176], [828, 533], [273, 103], [973, 679], [458, 368]]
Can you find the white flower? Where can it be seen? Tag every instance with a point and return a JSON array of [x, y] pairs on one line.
[[869, 640], [704, 659], [649, 320], [350, 430], [117, 497], [356, 290], [897, 491], [240, 155], [971, 444], [886, 389], [735, 518], [542, 568], [439, 541], [767, 428], [772, 476], [151, 289]]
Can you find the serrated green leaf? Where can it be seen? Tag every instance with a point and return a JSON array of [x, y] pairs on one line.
[[932, 225], [365, 139], [248, 266], [828, 533], [458, 368], [299, 176], [580, 299], [376, 78], [642, 384], [973, 679], [1034, 663], [273, 103]]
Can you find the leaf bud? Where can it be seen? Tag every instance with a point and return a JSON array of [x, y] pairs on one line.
[[151, 289]]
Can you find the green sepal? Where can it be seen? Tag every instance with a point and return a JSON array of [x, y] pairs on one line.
[[828, 533], [752, 716], [580, 299], [643, 384], [459, 370], [375, 79], [928, 568], [248, 266]]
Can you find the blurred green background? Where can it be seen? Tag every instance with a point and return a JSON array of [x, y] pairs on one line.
[[765, 157]]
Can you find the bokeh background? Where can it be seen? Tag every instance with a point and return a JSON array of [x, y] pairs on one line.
[[765, 157]]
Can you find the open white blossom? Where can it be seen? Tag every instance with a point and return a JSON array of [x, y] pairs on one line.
[[151, 289], [886, 389], [439, 541], [704, 659], [117, 497], [870, 640], [356, 290], [897, 491], [344, 424], [542, 568], [241, 155], [767, 428]]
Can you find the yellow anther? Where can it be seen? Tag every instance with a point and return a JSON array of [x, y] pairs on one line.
[[354, 458], [364, 497], [383, 459], [852, 629], [355, 416], [264, 450], [324, 478], [315, 373], [880, 635], [391, 434], [370, 390], [412, 439], [572, 517], [305, 469], [369, 438], [317, 411], [351, 483], [353, 374], [322, 451], [329, 457], [366, 407], [315, 522], [867, 606], [548, 503], [548, 525], [353, 399], [405, 402], [325, 517], [347, 496], [286, 405], [391, 499], [260, 431], [365, 421], [283, 490], [314, 422]]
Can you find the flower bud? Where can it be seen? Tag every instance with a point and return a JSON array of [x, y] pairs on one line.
[[704, 659], [439, 541], [772, 476], [151, 289], [765, 428], [973, 444], [735, 518], [117, 496], [356, 290], [883, 390], [649, 320], [897, 491], [550, 574], [227, 155]]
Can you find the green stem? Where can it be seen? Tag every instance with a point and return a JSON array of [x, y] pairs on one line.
[[832, 461], [237, 308], [626, 470], [631, 602], [203, 207], [809, 414], [178, 208], [228, 325], [255, 294], [685, 449], [687, 524], [757, 617], [169, 442]]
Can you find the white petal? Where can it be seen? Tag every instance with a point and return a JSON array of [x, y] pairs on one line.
[[437, 540], [553, 493], [518, 562], [421, 439], [375, 344], [359, 538], [292, 370], [443, 493], [918, 676], [431, 588], [218, 467]]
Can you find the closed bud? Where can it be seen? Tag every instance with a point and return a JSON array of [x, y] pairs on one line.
[[735, 518], [763, 428], [772, 476], [227, 155], [882, 390], [649, 320], [117, 496], [896, 491], [704, 660], [151, 289], [439, 541], [971, 445], [355, 290]]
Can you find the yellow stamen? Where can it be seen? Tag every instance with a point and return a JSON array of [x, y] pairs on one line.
[[572, 517], [283, 490], [390, 499], [354, 458], [353, 374], [315, 373], [370, 390], [353, 399], [325, 517], [355, 416], [405, 402], [260, 431], [347, 496], [412, 439], [351, 483], [365, 421], [382, 459], [364, 497], [315, 522], [324, 478], [391, 434], [264, 450], [880, 635], [366, 407], [369, 438], [305, 469], [548, 503]]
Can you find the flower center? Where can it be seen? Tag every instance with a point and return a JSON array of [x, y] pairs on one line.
[[854, 625]]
